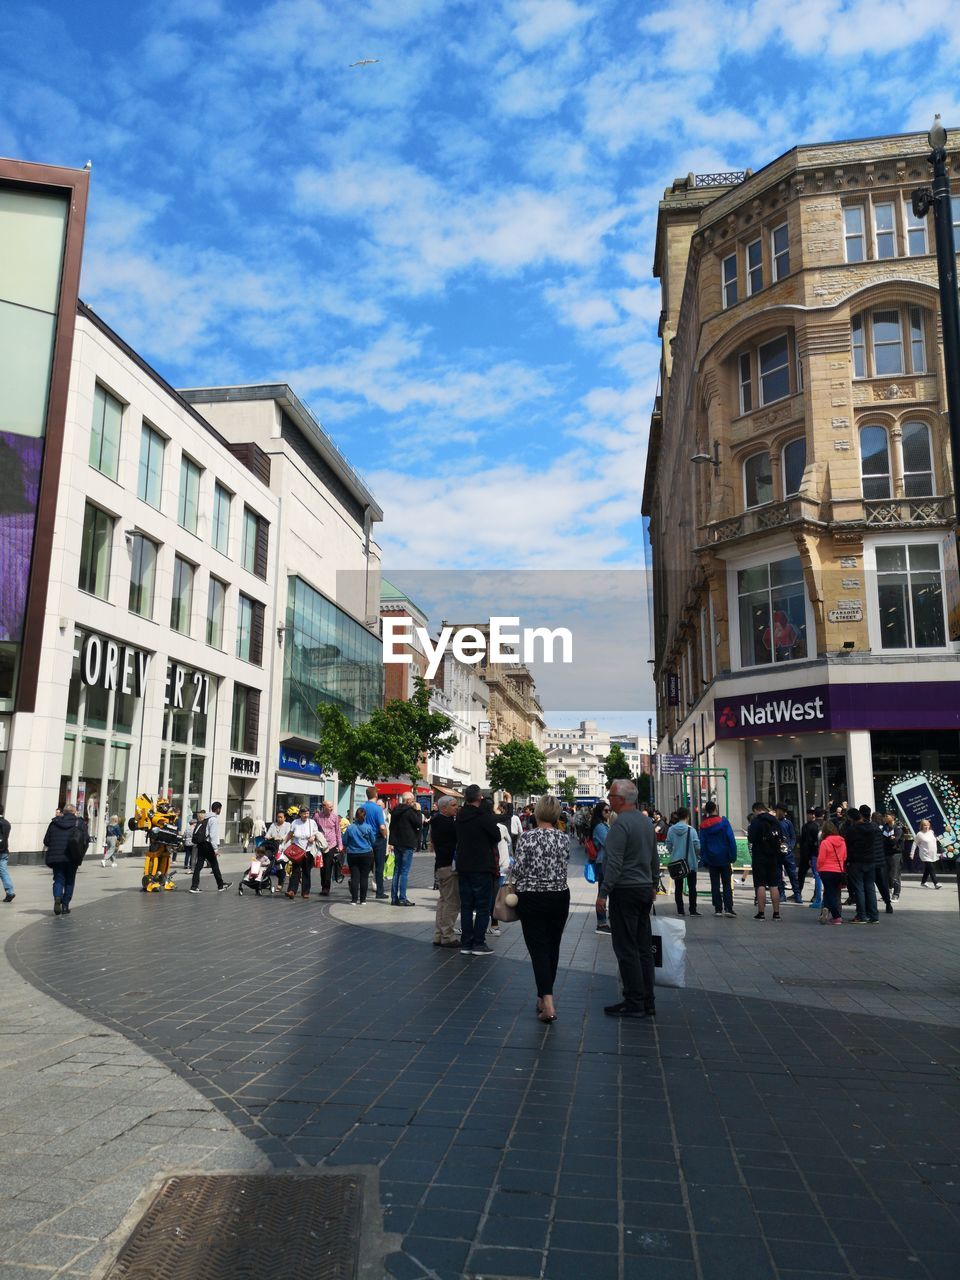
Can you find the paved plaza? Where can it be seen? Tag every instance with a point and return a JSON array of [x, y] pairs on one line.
[[792, 1113]]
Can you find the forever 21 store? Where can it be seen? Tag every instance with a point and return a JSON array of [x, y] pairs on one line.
[[159, 599]]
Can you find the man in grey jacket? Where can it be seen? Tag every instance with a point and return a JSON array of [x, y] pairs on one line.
[[630, 874]]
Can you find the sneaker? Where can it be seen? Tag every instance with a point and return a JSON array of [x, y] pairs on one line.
[[717, 911], [193, 891], [816, 904], [938, 886], [602, 928], [896, 897], [495, 930], [837, 920], [66, 910], [776, 915], [57, 906], [731, 915], [482, 950], [857, 920], [926, 886], [405, 902], [103, 863], [760, 916], [694, 911], [797, 897], [10, 897], [465, 951], [356, 904], [226, 885]]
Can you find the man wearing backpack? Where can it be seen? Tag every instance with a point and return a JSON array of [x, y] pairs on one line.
[[66, 842], [763, 836], [206, 836]]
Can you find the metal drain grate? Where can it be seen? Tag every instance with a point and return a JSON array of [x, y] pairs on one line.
[[837, 984], [261, 1226]]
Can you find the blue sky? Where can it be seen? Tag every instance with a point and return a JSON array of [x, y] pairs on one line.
[[447, 253]]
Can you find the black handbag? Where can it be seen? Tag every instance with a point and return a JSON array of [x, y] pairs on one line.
[[680, 869]]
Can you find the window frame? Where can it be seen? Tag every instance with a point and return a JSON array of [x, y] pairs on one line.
[[747, 504], [912, 225], [149, 434], [776, 255], [745, 384], [878, 231], [728, 286], [911, 337], [140, 594], [217, 524], [757, 560], [875, 426], [187, 466], [176, 596], [111, 524], [100, 389], [930, 471], [749, 269], [785, 337], [860, 235], [797, 440], [903, 539], [217, 644]]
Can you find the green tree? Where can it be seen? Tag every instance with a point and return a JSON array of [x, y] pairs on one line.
[[518, 766], [408, 730], [568, 789], [352, 750], [615, 766]]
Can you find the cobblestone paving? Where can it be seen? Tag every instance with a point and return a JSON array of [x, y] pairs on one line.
[[741, 1135]]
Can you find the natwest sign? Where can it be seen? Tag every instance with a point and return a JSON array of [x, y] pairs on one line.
[[756, 715]]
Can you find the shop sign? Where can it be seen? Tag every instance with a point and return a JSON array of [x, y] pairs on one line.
[[245, 766], [752, 714], [299, 762], [105, 664], [673, 689], [850, 614], [931, 704], [186, 689], [674, 764], [483, 728]]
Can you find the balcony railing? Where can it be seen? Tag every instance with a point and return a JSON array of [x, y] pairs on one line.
[[728, 179], [894, 512], [759, 519]]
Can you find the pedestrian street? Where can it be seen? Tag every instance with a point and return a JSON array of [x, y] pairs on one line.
[[793, 1112]]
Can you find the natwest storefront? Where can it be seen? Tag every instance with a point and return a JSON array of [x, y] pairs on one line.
[[845, 739]]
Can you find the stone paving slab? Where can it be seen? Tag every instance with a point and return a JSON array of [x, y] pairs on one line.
[[771, 1135]]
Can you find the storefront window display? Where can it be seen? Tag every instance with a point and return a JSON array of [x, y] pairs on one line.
[[801, 782], [104, 718], [184, 762]]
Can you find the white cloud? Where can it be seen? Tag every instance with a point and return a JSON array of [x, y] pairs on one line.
[[538, 22]]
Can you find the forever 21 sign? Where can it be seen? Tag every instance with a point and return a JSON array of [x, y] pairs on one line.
[[186, 690]]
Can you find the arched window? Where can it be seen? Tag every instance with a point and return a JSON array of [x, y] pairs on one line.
[[917, 460], [794, 462], [757, 480], [875, 462]]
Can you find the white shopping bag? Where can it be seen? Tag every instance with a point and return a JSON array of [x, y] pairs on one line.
[[669, 952]]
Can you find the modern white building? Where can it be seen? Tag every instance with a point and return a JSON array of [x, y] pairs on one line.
[[578, 762], [326, 643], [160, 607]]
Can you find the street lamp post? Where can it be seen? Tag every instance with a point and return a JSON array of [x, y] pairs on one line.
[[650, 757], [938, 198]]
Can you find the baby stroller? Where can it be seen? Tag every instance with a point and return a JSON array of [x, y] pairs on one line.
[[262, 869]]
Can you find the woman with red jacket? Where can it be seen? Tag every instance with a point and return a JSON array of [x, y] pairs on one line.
[[831, 865]]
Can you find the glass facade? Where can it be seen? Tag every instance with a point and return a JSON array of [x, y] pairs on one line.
[[327, 657], [773, 624]]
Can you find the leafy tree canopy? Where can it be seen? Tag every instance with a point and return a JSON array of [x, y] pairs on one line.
[[518, 766], [615, 766]]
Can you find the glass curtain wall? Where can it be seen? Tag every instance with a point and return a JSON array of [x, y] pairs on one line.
[[327, 657]]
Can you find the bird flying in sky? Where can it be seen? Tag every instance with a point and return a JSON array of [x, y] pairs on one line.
[[365, 62]]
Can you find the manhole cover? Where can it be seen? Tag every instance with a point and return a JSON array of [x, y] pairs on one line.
[[263, 1226], [837, 984]]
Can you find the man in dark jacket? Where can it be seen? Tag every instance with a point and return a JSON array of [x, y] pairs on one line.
[[405, 823], [66, 842], [443, 836], [864, 851], [809, 843], [478, 840], [764, 837]]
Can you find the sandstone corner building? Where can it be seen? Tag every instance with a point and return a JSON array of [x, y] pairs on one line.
[[804, 567]]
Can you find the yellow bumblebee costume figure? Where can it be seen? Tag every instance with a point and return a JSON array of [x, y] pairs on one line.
[[160, 823]]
